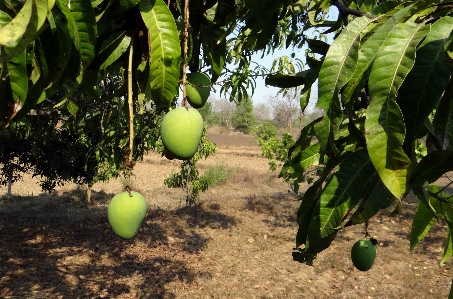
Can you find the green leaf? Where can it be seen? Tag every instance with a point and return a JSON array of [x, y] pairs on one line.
[[340, 61], [432, 167], [318, 46], [17, 77], [448, 249], [165, 51], [34, 26], [111, 49], [340, 195], [424, 219], [291, 80], [214, 49], [337, 69], [12, 31], [426, 82], [369, 50], [384, 123], [375, 197], [443, 118], [62, 44], [122, 6], [82, 27]]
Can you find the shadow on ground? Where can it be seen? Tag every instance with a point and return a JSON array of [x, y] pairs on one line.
[[61, 247], [282, 207]]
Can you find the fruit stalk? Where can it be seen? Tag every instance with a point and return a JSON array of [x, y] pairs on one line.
[[185, 50], [130, 101]]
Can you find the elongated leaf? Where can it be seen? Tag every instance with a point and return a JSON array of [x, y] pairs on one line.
[[165, 52], [82, 27], [341, 194], [18, 77], [443, 118], [448, 248], [426, 82], [291, 80], [117, 52], [336, 70], [311, 197], [432, 167], [369, 50], [214, 48], [424, 219], [384, 123], [37, 19], [62, 48], [12, 31], [340, 61], [375, 197]]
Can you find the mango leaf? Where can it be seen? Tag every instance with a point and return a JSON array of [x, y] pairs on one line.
[[62, 47], [318, 46], [291, 80], [12, 31], [443, 118], [384, 123], [82, 27], [369, 50], [17, 77], [310, 198], [214, 49], [119, 7], [426, 82], [375, 197], [448, 248], [34, 25], [165, 51], [111, 49], [432, 167], [337, 69], [340, 195], [424, 219]]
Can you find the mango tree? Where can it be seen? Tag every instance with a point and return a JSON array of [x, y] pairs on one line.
[[383, 84]]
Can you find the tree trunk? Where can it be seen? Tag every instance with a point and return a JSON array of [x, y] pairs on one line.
[[10, 183], [88, 193]]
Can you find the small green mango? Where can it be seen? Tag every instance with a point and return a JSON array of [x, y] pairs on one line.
[[363, 254], [198, 90], [126, 213]]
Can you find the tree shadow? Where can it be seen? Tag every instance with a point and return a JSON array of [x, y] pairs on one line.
[[56, 246], [281, 206]]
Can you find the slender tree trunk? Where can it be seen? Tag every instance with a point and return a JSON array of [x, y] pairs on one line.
[[88, 193], [10, 183]]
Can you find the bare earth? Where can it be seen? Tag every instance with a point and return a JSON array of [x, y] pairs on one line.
[[236, 243]]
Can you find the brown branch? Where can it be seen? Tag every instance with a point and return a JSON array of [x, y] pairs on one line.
[[346, 11]]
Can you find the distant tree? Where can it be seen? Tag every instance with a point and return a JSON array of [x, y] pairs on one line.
[[243, 118], [285, 110], [224, 109], [261, 112]]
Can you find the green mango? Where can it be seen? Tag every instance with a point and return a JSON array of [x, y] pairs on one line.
[[126, 213], [181, 131], [198, 89], [363, 254]]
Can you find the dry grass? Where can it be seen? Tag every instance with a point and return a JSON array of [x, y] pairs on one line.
[[236, 243]]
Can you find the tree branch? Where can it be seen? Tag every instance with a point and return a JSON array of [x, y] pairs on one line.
[[346, 11]]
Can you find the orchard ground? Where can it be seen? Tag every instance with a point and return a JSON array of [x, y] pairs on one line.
[[236, 243]]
